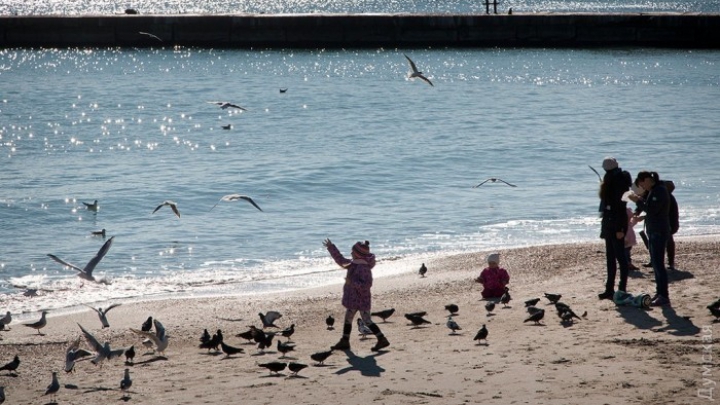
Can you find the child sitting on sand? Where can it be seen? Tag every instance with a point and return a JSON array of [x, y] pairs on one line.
[[493, 278]]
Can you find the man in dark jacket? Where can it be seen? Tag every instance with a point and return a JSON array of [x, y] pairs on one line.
[[614, 224]]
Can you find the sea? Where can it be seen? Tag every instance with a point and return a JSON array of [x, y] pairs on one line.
[[335, 144]]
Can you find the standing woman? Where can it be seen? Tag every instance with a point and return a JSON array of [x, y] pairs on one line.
[[356, 291], [656, 206], [614, 224]]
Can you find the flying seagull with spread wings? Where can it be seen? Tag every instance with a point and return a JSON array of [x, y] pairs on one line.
[[86, 272], [236, 197], [416, 73], [494, 180], [171, 204], [225, 105]]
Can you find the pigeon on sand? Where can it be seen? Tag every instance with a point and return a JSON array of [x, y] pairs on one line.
[[481, 335], [159, 338]]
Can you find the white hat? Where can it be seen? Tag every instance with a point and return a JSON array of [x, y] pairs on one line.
[[610, 163], [494, 258]]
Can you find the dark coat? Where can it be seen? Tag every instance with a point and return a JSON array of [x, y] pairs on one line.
[[614, 211], [657, 210]]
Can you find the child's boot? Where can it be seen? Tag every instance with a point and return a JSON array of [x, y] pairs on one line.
[[344, 343], [382, 341]]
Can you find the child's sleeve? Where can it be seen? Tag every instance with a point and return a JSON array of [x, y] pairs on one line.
[[337, 256], [504, 277]]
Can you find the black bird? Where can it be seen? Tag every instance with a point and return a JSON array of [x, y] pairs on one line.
[[288, 332], [320, 357], [296, 367], [422, 270], [230, 350], [563, 308], [384, 314], [247, 335], [283, 90], [266, 340], [715, 304], [494, 180], [482, 335], [11, 366], [416, 320], [330, 322], [452, 308], [419, 313], [489, 306], [553, 298], [566, 317], [536, 317], [274, 366], [284, 348], [715, 312], [130, 355], [268, 319], [532, 310], [505, 297], [147, 325], [205, 337], [214, 341], [532, 302]]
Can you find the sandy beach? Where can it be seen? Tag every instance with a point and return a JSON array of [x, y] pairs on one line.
[[613, 355]]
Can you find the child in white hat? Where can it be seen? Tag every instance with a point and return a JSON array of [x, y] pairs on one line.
[[493, 278]]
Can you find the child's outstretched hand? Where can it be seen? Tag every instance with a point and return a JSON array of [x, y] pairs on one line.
[[327, 242]]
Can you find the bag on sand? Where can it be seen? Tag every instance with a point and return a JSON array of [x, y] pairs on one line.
[[641, 300]]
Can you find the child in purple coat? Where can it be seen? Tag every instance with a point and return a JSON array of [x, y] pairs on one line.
[[493, 278], [356, 291]]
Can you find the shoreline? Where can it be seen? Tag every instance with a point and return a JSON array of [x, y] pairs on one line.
[[207, 292], [614, 354]]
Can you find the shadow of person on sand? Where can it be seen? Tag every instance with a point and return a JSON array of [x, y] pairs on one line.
[[367, 366], [678, 275], [677, 325], [638, 317]]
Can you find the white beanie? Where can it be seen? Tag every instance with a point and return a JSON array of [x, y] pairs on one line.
[[610, 163], [494, 258]]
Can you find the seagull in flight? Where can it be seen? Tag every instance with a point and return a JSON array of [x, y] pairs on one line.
[[171, 204], [102, 314], [159, 338], [225, 105], [236, 197], [416, 73], [102, 351], [494, 180], [86, 273], [150, 35]]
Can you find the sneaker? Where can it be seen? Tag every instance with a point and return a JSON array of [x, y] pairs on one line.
[[382, 343], [607, 295], [660, 301], [343, 344]]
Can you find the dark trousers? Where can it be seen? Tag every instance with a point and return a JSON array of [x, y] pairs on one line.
[[615, 254], [658, 243], [671, 251]]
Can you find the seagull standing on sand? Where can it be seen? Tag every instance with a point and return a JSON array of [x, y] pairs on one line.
[[86, 272], [415, 72], [54, 386], [236, 197], [494, 180], [102, 314], [225, 105], [39, 324], [5, 320], [126, 382], [171, 204]]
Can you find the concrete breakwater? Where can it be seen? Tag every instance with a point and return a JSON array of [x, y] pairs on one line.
[[364, 30]]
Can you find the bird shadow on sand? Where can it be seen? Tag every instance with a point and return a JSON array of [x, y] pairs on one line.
[[149, 361], [640, 318], [676, 324], [262, 353], [51, 403], [367, 366], [97, 389]]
